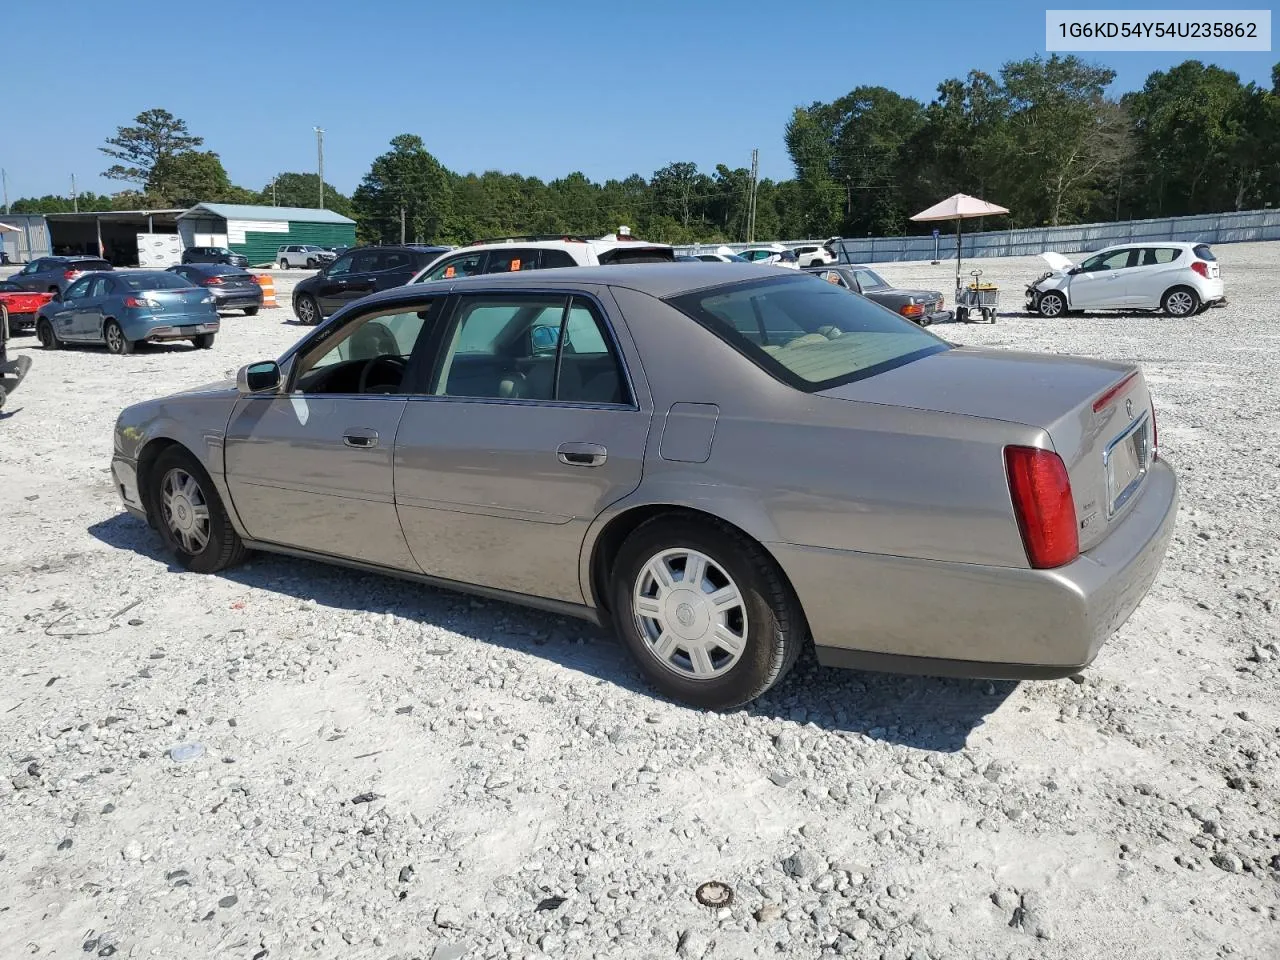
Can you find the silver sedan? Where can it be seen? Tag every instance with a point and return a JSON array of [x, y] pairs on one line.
[[723, 461]]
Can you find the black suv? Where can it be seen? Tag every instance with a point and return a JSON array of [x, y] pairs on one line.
[[355, 274], [214, 255]]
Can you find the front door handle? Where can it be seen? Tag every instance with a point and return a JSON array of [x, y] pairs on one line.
[[582, 454], [361, 439]]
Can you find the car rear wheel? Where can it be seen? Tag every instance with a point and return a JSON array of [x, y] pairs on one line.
[[44, 333], [250, 311], [117, 342], [204, 341], [189, 514], [1181, 302], [1052, 304], [705, 612], [308, 310]]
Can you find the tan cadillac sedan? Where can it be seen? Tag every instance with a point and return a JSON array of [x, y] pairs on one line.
[[723, 461]]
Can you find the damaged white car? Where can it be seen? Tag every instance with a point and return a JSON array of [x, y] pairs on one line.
[[1181, 279]]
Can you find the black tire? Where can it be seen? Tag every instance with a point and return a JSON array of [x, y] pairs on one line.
[[284, 264], [1180, 302], [224, 548], [775, 627], [250, 311], [204, 341], [44, 333], [308, 310], [1052, 305], [311, 263], [116, 341]]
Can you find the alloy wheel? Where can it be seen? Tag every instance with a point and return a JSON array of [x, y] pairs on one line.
[[691, 615], [185, 510], [1180, 303], [115, 338]]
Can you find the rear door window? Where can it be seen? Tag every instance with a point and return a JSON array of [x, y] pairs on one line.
[[510, 261], [396, 260], [1154, 256], [557, 258]]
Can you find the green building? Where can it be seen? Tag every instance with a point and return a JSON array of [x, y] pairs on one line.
[[258, 232]]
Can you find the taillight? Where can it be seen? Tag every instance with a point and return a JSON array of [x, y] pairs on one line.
[[211, 281], [912, 310], [70, 274], [1200, 267], [138, 302], [1046, 514]]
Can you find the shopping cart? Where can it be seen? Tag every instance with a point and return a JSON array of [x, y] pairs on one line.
[[976, 297]]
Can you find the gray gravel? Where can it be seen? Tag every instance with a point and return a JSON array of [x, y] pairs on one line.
[[372, 769]]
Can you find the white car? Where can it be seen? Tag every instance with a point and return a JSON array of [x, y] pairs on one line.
[[814, 255], [542, 253], [1181, 279], [303, 255], [773, 254]]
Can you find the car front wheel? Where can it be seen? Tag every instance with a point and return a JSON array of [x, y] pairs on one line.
[[44, 333], [705, 612], [190, 515], [1052, 304]]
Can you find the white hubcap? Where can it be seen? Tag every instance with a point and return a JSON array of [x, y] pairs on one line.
[[1180, 303], [185, 511], [690, 614]]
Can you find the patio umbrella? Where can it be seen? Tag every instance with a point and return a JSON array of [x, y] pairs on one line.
[[959, 207]]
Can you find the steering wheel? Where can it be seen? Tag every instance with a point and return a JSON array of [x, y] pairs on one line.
[[396, 362]]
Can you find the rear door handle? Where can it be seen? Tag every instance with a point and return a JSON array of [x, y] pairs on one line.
[[582, 454], [361, 439]]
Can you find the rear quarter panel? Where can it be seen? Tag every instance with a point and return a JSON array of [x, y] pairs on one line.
[[792, 467]]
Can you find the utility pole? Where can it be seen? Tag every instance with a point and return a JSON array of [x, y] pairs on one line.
[[274, 201], [402, 223], [751, 202], [75, 197], [4, 178], [320, 164]]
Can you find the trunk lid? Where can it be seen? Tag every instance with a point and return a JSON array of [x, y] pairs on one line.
[[183, 300], [1097, 414]]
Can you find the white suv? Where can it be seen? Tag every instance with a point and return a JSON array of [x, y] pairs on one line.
[[1181, 279], [542, 253]]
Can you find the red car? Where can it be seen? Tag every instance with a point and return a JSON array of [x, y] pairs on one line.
[[21, 305]]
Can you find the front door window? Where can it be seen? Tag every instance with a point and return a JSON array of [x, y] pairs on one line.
[[370, 354]]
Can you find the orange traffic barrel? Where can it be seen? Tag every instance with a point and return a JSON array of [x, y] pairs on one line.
[[268, 284]]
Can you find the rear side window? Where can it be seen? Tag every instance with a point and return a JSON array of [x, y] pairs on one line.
[[810, 335], [1153, 256], [557, 258], [511, 261], [395, 260], [1202, 251]]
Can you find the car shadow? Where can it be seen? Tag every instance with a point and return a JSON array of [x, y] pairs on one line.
[[926, 713]]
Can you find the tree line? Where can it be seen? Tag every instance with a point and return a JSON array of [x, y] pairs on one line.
[[1044, 138]]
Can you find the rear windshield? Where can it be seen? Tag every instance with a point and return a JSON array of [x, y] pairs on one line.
[[639, 255], [154, 281], [811, 335], [222, 270], [87, 265], [1203, 252]]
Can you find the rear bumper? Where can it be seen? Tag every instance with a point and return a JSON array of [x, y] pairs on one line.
[[238, 299], [174, 328], [954, 619]]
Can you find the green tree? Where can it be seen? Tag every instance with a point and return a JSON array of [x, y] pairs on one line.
[[158, 136], [185, 179], [405, 185], [302, 190]]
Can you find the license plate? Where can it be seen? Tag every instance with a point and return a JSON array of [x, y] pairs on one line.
[[1126, 460]]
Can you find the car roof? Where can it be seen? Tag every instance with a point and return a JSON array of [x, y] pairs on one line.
[[655, 279], [1180, 244]]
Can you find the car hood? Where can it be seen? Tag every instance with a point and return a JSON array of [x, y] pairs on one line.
[[1056, 261], [1028, 388]]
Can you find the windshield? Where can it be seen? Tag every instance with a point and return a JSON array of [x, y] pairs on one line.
[[811, 335], [155, 281]]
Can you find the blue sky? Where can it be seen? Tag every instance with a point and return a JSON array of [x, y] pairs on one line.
[[608, 87]]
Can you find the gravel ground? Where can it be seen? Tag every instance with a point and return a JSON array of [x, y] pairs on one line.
[[385, 771]]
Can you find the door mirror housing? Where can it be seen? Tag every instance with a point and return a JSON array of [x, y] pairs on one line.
[[57, 296], [261, 377]]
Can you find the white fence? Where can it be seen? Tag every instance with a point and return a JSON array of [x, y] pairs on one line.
[[1208, 228]]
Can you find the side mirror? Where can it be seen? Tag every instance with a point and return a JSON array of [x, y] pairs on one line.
[[57, 296], [1074, 270], [545, 337], [262, 377]]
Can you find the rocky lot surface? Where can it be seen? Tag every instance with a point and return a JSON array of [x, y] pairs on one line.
[[291, 760]]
